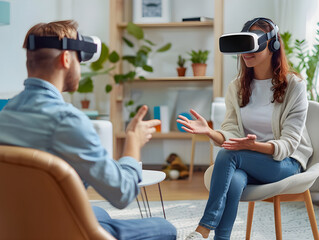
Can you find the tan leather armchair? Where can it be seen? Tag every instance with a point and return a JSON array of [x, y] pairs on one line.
[[42, 197]]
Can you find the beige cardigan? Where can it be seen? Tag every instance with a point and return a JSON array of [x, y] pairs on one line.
[[288, 121]]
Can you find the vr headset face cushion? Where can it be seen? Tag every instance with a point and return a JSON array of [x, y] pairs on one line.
[[243, 42]]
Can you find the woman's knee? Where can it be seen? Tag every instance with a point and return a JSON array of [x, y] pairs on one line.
[[224, 154]]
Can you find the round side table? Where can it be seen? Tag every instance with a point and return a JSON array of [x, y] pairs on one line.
[[150, 177]]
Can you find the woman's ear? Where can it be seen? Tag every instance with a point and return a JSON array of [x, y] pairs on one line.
[[65, 59]]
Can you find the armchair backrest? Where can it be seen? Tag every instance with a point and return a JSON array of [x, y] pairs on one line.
[[42, 197], [313, 131]]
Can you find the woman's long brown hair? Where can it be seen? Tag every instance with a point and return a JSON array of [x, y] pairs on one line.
[[280, 70]]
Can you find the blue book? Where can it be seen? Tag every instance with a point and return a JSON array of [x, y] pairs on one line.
[[3, 102], [161, 113]]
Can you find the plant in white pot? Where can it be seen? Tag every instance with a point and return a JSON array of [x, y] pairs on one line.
[[198, 59]]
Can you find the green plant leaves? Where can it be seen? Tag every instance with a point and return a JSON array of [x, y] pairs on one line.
[[199, 56], [148, 68], [128, 42], [97, 65], [86, 85], [164, 48], [108, 88], [149, 42], [135, 30], [307, 61], [114, 57]]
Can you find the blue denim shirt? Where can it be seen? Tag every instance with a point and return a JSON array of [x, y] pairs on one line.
[[39, 118]]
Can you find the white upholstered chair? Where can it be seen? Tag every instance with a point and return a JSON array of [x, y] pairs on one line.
[[104, 129], [294, 188]]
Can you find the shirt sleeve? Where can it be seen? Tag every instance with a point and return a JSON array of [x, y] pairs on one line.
[[293, 124], [76, 141]]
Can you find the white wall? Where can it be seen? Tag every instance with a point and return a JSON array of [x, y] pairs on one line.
[[92, 17], [24, 14]]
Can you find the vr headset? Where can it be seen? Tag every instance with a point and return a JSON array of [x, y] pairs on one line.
[[88, 48], [250, 41]]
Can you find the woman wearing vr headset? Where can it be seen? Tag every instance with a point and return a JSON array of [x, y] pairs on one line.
[[263, 135]]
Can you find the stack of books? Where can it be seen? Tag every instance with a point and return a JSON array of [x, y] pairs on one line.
[[198, 19]]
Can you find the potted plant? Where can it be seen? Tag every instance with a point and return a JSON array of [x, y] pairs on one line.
[[181, 69], [198, 60], [304, 61], [143, 50]]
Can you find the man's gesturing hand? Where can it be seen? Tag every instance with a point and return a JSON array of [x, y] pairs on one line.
[[142, 130]]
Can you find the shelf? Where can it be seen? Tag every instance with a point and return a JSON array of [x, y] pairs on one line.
[[170, 24], [176, 79], [169, 135]]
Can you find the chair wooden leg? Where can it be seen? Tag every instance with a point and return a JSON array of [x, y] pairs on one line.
[[311, 214], [277, 218], [191, 166], [250, 215]]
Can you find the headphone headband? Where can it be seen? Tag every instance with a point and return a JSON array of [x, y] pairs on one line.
[[275, 44]]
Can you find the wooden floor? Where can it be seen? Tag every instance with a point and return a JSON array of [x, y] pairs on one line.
[[171, 190]]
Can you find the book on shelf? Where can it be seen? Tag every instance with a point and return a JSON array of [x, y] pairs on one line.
[[161, 113], [198, 19]]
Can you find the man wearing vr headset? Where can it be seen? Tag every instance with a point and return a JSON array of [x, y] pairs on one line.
[[263, 135], [39, 118]]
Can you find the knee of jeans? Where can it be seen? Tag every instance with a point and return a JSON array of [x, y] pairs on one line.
[[169, 228], [224, 154], [239, 179], [100, 213]]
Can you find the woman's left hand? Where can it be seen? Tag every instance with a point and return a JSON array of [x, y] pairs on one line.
[[246, 143]]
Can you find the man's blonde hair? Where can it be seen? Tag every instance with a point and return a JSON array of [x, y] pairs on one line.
[[67, 28], [42, 59]]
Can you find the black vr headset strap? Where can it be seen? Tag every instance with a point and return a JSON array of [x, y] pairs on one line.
[[36, 42]]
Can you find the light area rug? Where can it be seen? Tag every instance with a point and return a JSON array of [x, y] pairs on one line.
[[185, 215]]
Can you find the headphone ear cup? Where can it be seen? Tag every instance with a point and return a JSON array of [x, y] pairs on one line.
[[273, 45]]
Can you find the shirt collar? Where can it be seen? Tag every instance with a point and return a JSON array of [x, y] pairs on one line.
[[42, 84]]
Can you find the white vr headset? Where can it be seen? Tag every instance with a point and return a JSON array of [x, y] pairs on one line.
[[88, 48], [250, 41]]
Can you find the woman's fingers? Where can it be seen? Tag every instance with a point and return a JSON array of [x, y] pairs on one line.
[[196, 115], [183, 118], [187, 129], [184, 123]]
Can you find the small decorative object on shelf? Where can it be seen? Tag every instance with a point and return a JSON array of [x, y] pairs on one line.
[[151, 11], [198, 60], [161, 113], [188, 116], [3, 102], [198, 19], [181, 69]]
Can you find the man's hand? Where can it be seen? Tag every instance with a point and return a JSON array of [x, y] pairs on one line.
[[141, 131], [246, 143]]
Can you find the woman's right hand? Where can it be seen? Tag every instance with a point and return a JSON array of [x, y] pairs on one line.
[[197, 126]]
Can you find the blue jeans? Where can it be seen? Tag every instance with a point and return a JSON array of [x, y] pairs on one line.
[[233, 170], [147, 228]]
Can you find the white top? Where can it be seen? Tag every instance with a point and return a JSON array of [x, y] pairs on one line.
[[257, 114], [291, 138], [150, 177]]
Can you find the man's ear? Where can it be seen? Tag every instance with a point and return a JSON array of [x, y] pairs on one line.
[[65, 59]]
